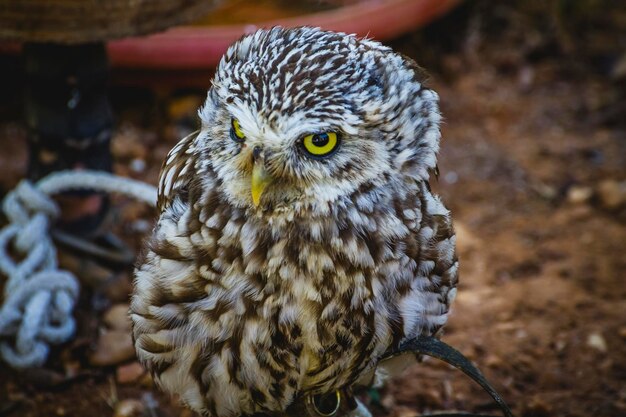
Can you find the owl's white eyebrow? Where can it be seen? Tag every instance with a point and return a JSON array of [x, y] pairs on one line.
[[294, 133]]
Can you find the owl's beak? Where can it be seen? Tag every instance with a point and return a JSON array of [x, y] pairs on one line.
[[260, 180]]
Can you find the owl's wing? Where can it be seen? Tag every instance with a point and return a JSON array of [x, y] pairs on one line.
[[176, 170], [432, 245], [424, 308]]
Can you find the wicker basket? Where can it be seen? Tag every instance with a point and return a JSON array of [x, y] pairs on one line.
[[81, 21]]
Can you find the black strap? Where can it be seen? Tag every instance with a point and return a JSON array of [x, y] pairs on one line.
[[428, 345]]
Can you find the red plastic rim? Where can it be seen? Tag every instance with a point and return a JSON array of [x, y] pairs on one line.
[[199, 48], [202, 47]]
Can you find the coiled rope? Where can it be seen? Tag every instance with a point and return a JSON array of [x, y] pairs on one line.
[[38, 298]]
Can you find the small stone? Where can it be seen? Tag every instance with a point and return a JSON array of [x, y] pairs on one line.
[[129, 408], [117, 317], [521, 334], [537, 407], [545, 191], [526, 77], [597, 342], [451, 177], [131, 372], [114, 346], [612, 194], [138, 165], [579, 194], [388, 401], [141, 226], [402, 411], [493, 361]]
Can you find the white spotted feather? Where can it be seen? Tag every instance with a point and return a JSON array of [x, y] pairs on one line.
[[241, 309]]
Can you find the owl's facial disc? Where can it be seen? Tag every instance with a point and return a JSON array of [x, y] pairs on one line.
[[315, 146], [334, 116], [252, 152]]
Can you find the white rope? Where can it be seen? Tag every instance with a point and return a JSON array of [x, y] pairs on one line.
[[38, 298]]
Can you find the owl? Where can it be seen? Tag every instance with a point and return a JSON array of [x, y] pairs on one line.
[[298, 239]]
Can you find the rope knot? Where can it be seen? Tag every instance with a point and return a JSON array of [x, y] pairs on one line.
[[39, 298]]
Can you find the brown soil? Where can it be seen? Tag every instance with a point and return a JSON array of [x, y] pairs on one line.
[[533, 144]]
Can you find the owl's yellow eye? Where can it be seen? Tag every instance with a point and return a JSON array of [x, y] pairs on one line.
[[235, 131], [319, 145]]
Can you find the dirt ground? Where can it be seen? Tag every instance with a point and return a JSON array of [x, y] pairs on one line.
[[532, 166]]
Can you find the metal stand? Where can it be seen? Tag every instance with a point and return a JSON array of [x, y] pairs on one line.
[[67, 112]]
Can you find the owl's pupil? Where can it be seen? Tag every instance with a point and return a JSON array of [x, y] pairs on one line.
[[321, 139]]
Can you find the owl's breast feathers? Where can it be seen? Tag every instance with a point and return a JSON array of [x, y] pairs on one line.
[[240, 312]]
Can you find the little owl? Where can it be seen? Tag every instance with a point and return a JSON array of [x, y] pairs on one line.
[[298, 239]]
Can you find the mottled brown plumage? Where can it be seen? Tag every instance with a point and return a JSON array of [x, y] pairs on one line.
[[246, 304]]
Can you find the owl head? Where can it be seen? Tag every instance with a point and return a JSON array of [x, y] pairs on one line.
[[302, 118]]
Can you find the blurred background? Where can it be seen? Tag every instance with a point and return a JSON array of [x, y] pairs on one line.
[[532, 165]]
